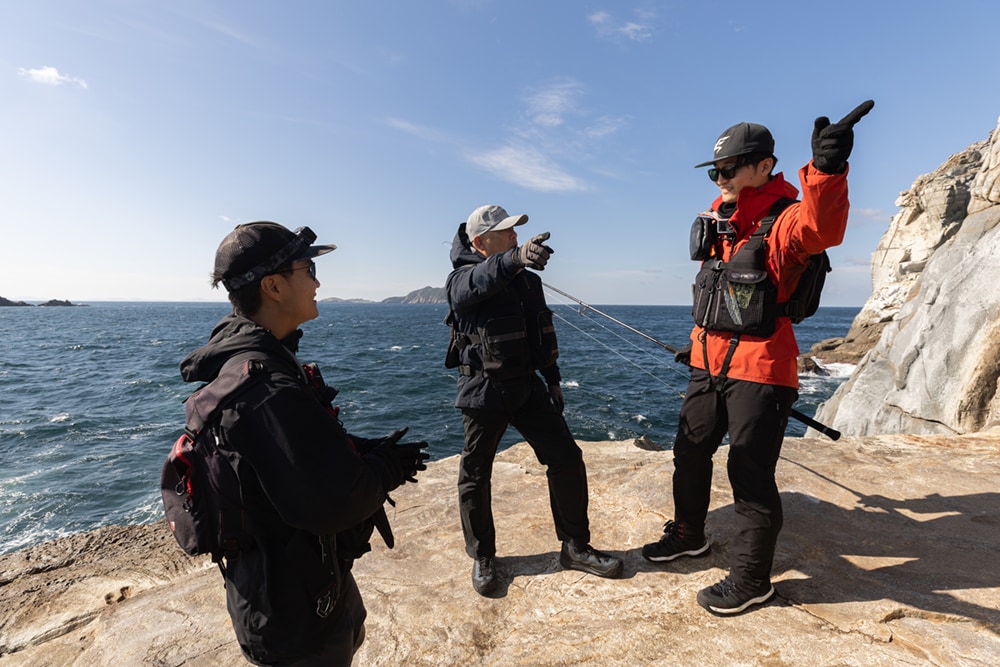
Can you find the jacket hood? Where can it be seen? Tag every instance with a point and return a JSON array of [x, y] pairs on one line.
[[462, 252], [234, 334]]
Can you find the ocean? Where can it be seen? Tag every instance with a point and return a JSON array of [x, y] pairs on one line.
[[92, 397]]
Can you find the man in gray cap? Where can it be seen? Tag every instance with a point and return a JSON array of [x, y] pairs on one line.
[[309, 493], [502, 338], [754, 244]]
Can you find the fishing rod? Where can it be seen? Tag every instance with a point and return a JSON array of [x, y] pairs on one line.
[[831, 433]]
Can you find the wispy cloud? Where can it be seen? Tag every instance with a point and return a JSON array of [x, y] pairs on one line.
[[50, 76], [418, 131], [550, 105], [604, 126], [528, 167], [870, 215], [610, 26], [555, 129]]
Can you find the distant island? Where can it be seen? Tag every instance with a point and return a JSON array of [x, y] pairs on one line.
[[52, 302], [423, 295]]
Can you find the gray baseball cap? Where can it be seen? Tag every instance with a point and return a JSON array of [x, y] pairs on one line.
[[742, 139], [491, 218]]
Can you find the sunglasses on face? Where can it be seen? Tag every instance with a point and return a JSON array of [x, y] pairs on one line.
[[311, 268], [725, 172]]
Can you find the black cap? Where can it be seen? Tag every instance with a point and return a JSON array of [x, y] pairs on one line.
[[742, 139], [257, 249]]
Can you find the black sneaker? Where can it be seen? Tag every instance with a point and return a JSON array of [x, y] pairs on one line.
[[727, 597], [484, 575], [677, 541], [588, 559]]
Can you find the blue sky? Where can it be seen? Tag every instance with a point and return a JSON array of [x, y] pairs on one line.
[[137, 134]]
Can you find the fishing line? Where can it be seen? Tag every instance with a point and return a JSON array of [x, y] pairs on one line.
[[831, 433], [646, 353], [609, 348]]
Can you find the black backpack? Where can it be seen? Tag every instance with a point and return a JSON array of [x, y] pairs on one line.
[[805, 298], [199, 485]]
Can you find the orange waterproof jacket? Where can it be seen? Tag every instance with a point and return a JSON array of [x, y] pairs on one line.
[[816, 223]]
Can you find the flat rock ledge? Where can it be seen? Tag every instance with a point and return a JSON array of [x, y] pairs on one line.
[[889, 556]]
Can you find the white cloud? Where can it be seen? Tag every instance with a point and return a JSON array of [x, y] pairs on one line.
[[875, 215], [49, 76], [554, 128], [604, 126], [549, 107], [638, 30], [418, 131], [528, 167]]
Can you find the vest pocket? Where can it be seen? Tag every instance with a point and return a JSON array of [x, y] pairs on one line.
[[746, 297], [505, 346], [548, 348]]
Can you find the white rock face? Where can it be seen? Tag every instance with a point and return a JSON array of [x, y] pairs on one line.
[[935, 274]]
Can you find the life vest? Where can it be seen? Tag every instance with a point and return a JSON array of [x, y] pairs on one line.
[[512, 332], [739, 295]]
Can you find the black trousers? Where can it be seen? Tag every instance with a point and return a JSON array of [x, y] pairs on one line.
[[529, 410], [345, 637], [755, 416]]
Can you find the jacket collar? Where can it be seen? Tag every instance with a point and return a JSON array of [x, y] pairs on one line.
[[752, 204]]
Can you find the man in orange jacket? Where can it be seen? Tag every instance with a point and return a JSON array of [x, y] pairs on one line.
[[743, 353]]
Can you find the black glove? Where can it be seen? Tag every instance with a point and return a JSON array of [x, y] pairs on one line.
[[683, 355], [558, 399], [832, 144], [534, 254], [397, 463]]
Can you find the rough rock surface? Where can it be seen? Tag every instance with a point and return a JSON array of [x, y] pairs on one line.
[[935, 366], [931, 212], [888, 557]]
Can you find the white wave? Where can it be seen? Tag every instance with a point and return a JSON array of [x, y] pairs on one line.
[[396, 348], [833, 369], [839, 370], [64, 417], [640, 418], [569, 383]]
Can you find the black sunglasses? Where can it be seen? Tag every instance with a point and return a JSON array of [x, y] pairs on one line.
[[311, 268], [726, 172]]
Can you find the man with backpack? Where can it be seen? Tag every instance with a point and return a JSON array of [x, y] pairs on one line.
[[502, 337], [754, 243], [309, 494]]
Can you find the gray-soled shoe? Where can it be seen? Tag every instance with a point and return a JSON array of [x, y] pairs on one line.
[[484, 575], [586, 558]]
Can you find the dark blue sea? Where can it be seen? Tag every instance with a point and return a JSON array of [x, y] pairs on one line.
[[92, 398]]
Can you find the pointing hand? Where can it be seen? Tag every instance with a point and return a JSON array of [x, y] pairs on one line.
[[832, 144], [534, 254]]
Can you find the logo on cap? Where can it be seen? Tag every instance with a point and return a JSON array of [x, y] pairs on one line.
[[720, 142]]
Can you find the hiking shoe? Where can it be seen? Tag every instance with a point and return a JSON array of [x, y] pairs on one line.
[[588, 559], [727, 597], [484, 575], [677, 541]]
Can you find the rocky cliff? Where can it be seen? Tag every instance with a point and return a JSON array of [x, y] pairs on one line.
[[871, 569], [930, 333]]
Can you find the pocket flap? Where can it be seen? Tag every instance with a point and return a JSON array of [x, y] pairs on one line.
[[745, 276]]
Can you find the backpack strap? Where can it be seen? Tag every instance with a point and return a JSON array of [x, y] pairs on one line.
[[793, 308], [765, 224]]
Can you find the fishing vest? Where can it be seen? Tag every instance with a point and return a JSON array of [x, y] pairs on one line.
[[738, 295], [512, 332]]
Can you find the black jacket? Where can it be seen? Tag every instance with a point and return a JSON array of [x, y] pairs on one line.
[[303, 481], [484, 289]]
